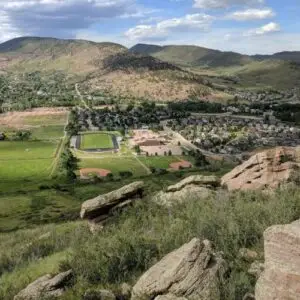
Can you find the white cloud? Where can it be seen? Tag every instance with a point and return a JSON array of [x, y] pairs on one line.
[[7, 30], [268, 28], [63, 17], [160, 31], [251, 14], [212, 4]]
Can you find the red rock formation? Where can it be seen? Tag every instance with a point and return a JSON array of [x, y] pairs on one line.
[[263, 170], [281, 278]]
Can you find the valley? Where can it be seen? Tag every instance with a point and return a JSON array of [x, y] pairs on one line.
[[112, 158]]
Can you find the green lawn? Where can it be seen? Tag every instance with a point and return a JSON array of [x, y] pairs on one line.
[[96, 141], [58, 119], [26, 170], [47, 132], [115, 164], [161, 162], [24, 150]]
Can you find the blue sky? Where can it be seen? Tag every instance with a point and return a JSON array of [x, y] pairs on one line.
[[246, 26]]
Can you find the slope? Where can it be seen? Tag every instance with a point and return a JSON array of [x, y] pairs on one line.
[[192, 55], [101, 67]]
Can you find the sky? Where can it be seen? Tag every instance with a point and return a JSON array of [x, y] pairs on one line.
[[245, 26]]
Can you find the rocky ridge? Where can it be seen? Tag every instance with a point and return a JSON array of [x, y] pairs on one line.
[[267, 169]]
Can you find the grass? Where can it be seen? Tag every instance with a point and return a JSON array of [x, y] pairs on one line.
[[48, 132], [54, 119], [25, 150], [96, 141], [134, 240], [29, 169], [115, 164], [161, 162]]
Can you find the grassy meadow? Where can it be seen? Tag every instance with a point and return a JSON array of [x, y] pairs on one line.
[[134, 240]]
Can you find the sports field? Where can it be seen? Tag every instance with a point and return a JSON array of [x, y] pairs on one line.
[[27, 160], [96, 141], [161, 162], [115, 165]]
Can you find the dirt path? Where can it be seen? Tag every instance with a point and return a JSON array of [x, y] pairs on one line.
[[60, 150], [80, 96], [143, 165]]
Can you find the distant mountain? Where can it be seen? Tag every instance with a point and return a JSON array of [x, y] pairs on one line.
[[192, 55], [199, 56], [145, 49], [286, 56]]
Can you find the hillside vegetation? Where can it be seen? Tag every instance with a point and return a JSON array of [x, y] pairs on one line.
[[280, 70], [135, 240], [105, 67]]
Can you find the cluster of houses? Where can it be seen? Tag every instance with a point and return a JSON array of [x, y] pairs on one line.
[[152, 143], [229, 135]]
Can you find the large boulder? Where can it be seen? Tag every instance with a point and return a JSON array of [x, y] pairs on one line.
[[200, 180], [191, 188], [281, 277], [192, 272], [188, 193], [46, 287], [97, 210], [267, 169]]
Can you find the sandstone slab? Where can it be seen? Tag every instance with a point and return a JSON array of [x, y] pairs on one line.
[[192, 272], [267, 169], [46, 287], [195, 180], [281, 277]]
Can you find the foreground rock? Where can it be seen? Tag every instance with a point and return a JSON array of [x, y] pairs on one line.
[[46, 287], [99, 209], [190, 188], [267, 169], [281, 277], [192, 272]]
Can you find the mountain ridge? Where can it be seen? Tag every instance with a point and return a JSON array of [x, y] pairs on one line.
[[200, 56]]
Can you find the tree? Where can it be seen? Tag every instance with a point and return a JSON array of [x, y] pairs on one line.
[[200, 159], [137, 149], [69, 163]]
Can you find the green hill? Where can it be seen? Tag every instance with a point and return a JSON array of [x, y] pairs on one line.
[[193, 55]]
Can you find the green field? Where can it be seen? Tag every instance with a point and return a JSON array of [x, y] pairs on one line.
[[56, 119], [47, 132], [161, 162], [96, 141], [24, 150], [115, 164], [24, 162]]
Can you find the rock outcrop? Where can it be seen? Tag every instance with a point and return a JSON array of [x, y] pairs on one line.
[[267, 169], [192, 272], [193, 187], [281, 277], [199, 180], [46, 287], [99, 209]]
